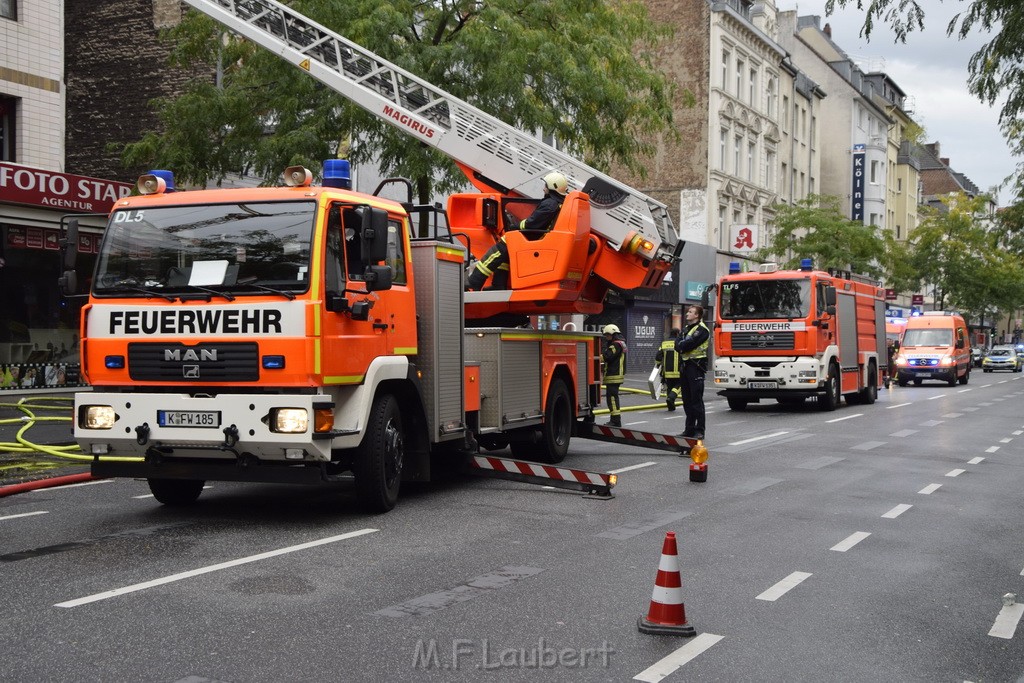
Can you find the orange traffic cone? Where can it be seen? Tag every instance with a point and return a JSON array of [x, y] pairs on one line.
[[667, 615]]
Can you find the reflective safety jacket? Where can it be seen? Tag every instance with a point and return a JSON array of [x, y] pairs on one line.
[[614, 356], [694, 344], [668, 360]]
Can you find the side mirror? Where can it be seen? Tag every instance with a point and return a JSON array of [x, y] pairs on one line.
[[69, 245], [959, 343], [830, 297], [373, 234], [377, 278], [830, 309], [68, 283]]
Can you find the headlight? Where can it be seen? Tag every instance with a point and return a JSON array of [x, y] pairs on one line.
[[901, 360], [96, 417], [946, 360], [289, 420], [808, 373]]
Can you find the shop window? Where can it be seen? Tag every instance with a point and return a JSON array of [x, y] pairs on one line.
[[8, 110]]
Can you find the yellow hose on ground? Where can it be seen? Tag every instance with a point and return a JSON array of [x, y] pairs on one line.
[[23, 445]]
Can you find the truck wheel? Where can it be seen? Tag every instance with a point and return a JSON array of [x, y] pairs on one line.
[[967, 376], [737, 403], [917, 382], [557, 429], [830, 399], [870, 392], [380, 456], [176, 492]]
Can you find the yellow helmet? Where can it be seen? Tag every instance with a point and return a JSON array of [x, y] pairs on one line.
[[556, 182], [610, 329]]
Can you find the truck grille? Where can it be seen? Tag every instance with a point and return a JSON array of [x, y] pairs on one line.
[[754, 341], [206, 362]]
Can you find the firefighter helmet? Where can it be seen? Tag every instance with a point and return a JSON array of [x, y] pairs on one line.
[[610, 329], [556, 182]]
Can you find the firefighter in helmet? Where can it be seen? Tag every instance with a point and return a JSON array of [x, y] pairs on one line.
[[692, 346], [495, 261], [614, 360], [668, 361]]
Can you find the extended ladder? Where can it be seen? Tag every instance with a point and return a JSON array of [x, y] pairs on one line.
[[493, 153]]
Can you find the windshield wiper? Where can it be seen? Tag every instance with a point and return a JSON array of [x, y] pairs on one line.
[[125, 287], [263, 288], [214, 292]]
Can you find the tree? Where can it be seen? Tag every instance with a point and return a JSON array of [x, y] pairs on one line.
[[580, 70], [995, 70], [816, 228]]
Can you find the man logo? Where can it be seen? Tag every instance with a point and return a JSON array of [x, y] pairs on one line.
[[190, 371], [190, 354]]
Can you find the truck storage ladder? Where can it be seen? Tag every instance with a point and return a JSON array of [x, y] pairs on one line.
[[498, 154]]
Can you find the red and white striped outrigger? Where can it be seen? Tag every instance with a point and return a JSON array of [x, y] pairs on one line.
[[632, 437], [595, 484]]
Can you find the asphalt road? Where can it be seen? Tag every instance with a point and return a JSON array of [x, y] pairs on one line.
[[870, 543]]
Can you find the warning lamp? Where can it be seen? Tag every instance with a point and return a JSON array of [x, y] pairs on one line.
[[806, 264], [337, 173], [632, 243], [323, 420], [155, 182], [699, 453], [297, 176], [734, 267]]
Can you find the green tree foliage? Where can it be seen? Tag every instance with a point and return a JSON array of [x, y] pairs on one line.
[[581, 70], [816, 228], [959, 256], [995, 71]]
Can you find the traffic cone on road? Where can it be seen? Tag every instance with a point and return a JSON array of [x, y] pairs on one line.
[[667, 614]]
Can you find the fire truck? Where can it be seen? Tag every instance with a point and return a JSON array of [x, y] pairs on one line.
[[793, 334], [310, 333]]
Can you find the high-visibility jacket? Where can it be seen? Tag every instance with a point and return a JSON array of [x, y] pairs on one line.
[[668, 359], [615, 362], [700, 351]]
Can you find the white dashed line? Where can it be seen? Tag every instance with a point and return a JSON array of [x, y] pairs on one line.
[[898, 405], [1007, 620], [1007, 440], [975, 461], [840, 419], [632, 467], [930, 488], [667, 665], [757, 438], [850, 541], [212, 568], [897, 511], [25, 514], [784, 586], [992, 449], [955, 473], [932, 398]]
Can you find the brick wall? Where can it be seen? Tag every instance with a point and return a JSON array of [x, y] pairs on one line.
[[114, 66]]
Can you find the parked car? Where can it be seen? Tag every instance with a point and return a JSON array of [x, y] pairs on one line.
[[977, 354], [1002, 358]]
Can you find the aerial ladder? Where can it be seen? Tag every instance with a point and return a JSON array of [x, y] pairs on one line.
[[608, 235]]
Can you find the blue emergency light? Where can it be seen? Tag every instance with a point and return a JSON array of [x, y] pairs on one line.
[[337, 173], [167, 176], [734, 267], [806, 264]]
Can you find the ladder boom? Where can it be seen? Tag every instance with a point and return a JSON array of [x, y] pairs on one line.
[[498, 152]]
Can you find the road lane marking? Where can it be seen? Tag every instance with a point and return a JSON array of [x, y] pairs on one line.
[[955, 473], [898, 405], [818, 463], [975, 461], [932, 423], [952, 415], [1017, 433], [905, 432], [212, 568], [25, 514], [850, 541], [992, 449], [847, 417], [756, 438], [632, 467], [963, 391], [1007, 440], [1007, 620], [668, 664], [930, 488], [71, 486], [784, 586], [897, 511], [627, 531], [932, 398], [867, 445]]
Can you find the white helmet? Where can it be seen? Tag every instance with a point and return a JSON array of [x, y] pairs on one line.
[[556, 182], [610, 329]]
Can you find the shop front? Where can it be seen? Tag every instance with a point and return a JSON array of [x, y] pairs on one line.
[[39, 329]]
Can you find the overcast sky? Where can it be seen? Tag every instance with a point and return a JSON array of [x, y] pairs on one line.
[[932, 70]]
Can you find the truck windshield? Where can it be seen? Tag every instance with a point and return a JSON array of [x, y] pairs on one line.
[[932, 337], [236, 248], [761, 299]]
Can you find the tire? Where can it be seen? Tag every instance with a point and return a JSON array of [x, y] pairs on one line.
[[176, 492], [901, 380], [870, 393], [738, 404], [557, 428], [967, 377], [917, 382], [829, 401], [380, 456]]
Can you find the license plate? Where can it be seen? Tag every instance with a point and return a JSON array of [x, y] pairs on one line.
[[188, 418], [923, 374], [763, 385]]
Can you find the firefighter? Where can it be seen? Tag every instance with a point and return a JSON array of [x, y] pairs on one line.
[[495, 261], [614, 359], [692, 346], [667, 360]]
